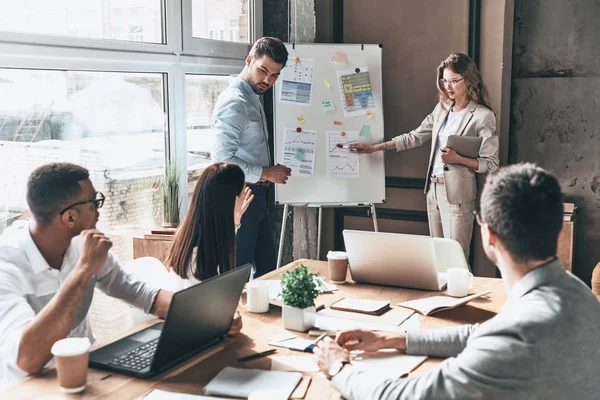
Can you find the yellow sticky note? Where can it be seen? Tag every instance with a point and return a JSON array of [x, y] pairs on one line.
[[369, 114], [300, 119], [327, 83]]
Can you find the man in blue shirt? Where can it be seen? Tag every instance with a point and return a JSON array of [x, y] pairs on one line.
[[242, 138]]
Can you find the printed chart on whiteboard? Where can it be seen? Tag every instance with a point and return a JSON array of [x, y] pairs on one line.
[[356, 91], [299, 152], [297, 82], [341, 162]]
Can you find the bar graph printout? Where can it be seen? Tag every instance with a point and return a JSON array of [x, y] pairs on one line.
[[341, 162], [298, 151]]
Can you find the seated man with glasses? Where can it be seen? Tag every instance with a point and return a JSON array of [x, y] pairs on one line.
[[49, 269], [543, 344]]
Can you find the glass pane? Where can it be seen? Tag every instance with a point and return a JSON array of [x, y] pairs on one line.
[[129, 20], [226, 20], [111, 123], [201, 96]]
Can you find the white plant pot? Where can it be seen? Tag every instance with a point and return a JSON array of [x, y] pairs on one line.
[[299, 319]]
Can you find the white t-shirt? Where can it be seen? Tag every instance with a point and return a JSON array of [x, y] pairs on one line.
[[450, 127], [27, 284]]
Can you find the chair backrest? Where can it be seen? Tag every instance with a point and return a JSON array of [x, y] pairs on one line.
[[596, 281]]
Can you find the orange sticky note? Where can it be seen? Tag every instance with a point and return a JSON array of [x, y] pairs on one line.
[[369, 114], [337, 122]]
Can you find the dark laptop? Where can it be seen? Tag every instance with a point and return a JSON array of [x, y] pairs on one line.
[[198, 318]]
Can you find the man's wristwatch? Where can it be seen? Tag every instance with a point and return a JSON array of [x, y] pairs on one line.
[[336, 367]]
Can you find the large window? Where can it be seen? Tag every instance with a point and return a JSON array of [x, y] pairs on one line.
[[212, 18], [93, 119], [129, 20], [202, 93], [120, 87]]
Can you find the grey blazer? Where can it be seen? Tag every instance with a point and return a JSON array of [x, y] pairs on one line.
[[459, 179], [544, 343]]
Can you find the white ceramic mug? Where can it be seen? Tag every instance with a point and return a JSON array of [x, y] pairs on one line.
[[460, 281], [257, 297]]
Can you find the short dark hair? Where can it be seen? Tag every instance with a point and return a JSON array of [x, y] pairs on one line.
[[51, 187], [523, 205], [271, 47]]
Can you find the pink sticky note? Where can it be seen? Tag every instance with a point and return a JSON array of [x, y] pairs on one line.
[[339, 57]]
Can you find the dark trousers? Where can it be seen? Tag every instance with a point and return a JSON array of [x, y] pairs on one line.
[[254, 241]]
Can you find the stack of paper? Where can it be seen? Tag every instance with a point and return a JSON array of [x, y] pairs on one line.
[[386, 363], [237, 382]]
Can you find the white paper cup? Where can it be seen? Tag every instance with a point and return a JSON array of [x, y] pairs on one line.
[[72, 356], [337, 262]]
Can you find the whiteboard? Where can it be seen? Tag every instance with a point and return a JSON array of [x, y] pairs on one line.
[[334, 181]]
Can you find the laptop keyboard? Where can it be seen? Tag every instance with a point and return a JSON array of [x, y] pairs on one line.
[[138, 358]]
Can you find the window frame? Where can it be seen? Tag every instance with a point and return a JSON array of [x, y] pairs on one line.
[[168, 9], [211, 57], [220, 48]]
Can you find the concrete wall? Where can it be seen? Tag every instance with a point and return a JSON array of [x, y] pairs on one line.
[[555, 102]]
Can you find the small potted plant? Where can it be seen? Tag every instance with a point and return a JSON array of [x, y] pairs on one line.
[[171, 197], [299, 291]]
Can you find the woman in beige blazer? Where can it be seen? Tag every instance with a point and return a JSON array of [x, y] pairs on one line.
[[463, 109]]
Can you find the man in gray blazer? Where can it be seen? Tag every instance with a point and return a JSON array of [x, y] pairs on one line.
[[543, 344]]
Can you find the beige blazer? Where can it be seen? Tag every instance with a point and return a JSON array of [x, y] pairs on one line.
[[459, 179]]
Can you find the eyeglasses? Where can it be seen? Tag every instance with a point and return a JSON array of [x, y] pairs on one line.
[[477, 217], [98, 202], [450, 82]]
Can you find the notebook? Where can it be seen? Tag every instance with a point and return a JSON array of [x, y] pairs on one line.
[[431, 305], [371, 307], [237, 382], [466, 146]]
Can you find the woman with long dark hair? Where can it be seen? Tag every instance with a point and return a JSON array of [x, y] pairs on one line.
[[204, 245], [463, 109]]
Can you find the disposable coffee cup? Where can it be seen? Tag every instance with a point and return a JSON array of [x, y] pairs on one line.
[[72, 356], [338, 266]]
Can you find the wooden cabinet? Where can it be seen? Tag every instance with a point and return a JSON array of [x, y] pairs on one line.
[[157, 246]]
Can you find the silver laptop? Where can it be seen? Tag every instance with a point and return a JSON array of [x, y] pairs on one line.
[[396, 259]]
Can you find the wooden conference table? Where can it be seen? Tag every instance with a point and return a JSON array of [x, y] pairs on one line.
[[195, 374]]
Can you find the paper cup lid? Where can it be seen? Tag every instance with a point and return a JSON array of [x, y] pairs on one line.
[[71, 347], [337, 255]]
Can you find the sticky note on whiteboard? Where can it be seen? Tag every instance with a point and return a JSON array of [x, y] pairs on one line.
[[365, 131], [369, 114], [326, 82], [328, 104], [300, 119], [339, 57]]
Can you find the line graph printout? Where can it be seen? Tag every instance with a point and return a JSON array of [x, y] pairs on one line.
[[356, 92], [341, 162], [298, 152]]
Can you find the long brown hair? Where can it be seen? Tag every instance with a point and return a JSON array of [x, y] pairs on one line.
[[463, 65], [208, 225]]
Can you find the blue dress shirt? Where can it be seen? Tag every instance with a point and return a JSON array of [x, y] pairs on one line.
[[240, 128]]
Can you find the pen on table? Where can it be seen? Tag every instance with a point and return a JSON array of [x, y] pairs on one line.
[[311, 346], [258, 355]]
